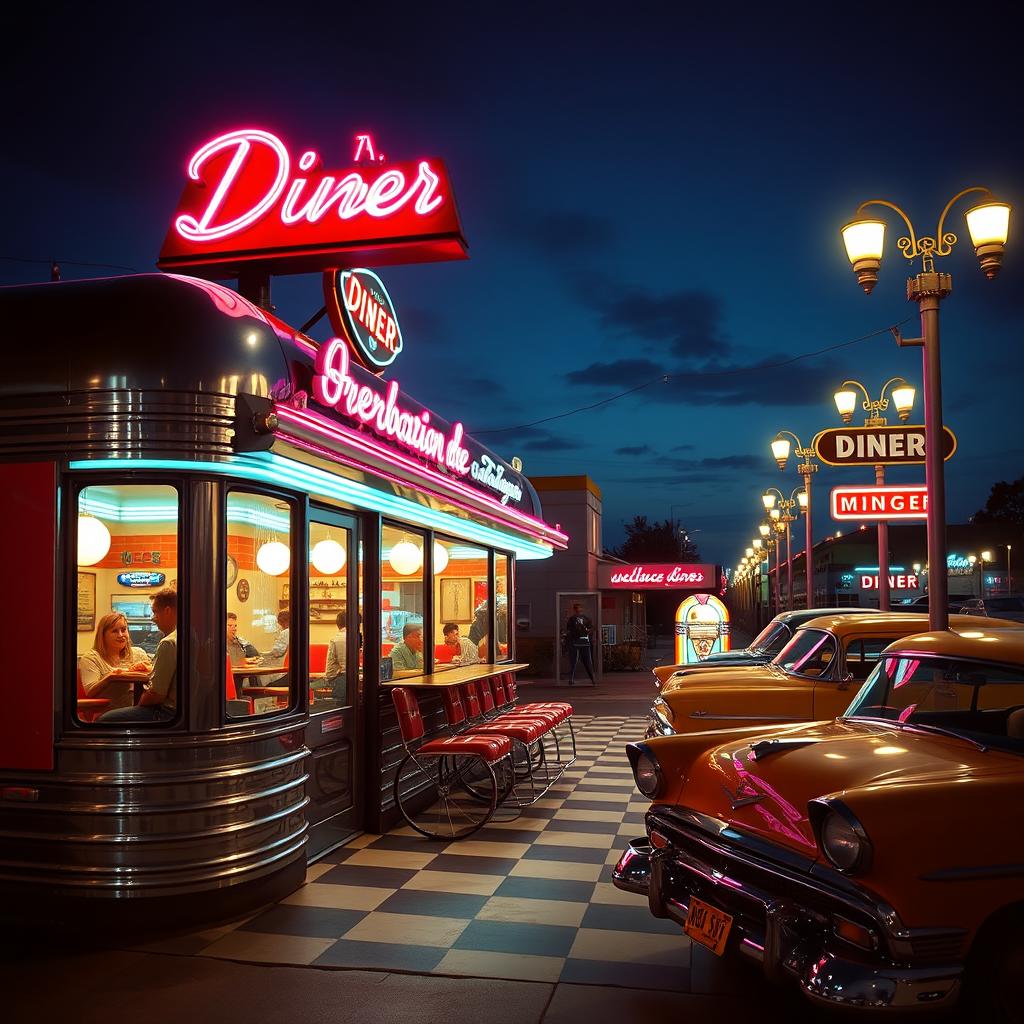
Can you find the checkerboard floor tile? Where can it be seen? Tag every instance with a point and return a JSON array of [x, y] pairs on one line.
[[529, 898]]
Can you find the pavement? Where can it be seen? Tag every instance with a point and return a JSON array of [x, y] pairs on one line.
[[517, 924]]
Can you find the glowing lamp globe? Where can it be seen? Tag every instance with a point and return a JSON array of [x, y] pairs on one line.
[[846, 402], [749, 552], [273, 558], [406, 558], [764, 529], [801, 497], [93, 540], [328, 557], [440, 557], [780, 451], [903, 399], [864, 241], [989, 225], [768, 499]]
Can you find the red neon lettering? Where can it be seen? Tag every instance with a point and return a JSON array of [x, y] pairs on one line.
[[352, 195], [334, 388]]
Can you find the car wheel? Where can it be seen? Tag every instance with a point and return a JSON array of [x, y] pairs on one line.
[[997, 965]]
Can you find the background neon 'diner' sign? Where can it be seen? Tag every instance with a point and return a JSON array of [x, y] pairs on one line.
[[248, 201]]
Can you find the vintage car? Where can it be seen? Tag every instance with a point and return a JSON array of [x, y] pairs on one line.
[[813, 678], [878, 859], [765, 645]]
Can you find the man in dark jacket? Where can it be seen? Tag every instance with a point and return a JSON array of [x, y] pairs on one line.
[[579, 631]]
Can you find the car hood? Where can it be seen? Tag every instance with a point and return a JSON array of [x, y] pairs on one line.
[[764, 787], [742, 675]]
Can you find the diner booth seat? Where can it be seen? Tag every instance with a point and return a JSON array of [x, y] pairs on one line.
[[89, 708], [443, 654]]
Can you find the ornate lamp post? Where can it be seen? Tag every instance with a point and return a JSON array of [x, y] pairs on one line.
[[1009, 574], [986, 556], [780, 450], [758, 545], [902, 395], [769, 499], [864, 236]]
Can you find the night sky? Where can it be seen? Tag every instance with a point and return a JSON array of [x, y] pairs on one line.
[[644, 193]]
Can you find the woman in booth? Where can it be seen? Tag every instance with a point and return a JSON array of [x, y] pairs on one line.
[[112, 653]]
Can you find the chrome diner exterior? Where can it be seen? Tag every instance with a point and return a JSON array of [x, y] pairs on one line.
[[264, 478]]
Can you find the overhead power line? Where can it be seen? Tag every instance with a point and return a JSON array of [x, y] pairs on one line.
[[666, 378]]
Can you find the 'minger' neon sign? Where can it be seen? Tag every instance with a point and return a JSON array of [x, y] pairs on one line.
[[335, 388]]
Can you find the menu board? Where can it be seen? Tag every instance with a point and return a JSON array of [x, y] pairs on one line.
[[86, 601]]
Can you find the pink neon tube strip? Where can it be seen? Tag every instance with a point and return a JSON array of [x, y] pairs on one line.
[[336, 432]]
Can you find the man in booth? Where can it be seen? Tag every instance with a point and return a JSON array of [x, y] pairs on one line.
[[409, 653], [461, 651], [159, 698]]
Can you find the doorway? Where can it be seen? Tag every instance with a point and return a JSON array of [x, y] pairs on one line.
[[590, 606], [335, 733]]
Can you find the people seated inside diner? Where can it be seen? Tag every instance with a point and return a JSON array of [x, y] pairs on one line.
[[275, 656], [462, 651], [334, 674], [409, 653], [112, 654], [159, 697], [238, 649]]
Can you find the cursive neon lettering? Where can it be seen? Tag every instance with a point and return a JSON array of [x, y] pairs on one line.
[[242, 141], [335, 388], [300, 199]]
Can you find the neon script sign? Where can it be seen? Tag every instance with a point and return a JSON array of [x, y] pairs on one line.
[[249, 200], [656, 577], [334, 387]]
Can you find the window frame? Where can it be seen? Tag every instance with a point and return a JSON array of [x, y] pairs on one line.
[[77, 483], [297, 633]]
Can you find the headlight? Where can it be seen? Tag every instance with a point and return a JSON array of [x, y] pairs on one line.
[[646, 772], [844, 841]]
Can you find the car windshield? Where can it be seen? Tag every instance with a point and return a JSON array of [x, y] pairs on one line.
[[982, 702], [810, 653], [771, 638]]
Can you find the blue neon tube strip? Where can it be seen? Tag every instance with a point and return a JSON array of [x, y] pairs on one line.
[[269, 468]]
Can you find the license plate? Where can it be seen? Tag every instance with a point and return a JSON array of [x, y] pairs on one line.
[[708, 926]]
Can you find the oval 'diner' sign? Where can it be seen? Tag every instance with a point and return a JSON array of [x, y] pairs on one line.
[[361, 311]]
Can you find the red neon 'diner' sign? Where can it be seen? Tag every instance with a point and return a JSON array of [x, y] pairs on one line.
[[656, 577], [248, 202], [907, 502]]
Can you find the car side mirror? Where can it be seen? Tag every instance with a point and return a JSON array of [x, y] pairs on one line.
[[845, 680]]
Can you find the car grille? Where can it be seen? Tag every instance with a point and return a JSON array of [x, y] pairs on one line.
[[944, 946]]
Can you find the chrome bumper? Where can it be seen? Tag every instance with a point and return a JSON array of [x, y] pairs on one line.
[[785, 946]]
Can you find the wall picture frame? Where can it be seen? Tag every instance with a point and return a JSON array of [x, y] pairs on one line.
[[86, 601], [456, 599]]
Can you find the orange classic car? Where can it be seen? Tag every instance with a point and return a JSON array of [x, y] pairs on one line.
[[813, 678], [877, 860]]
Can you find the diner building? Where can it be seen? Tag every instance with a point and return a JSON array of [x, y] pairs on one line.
[[230, 542]]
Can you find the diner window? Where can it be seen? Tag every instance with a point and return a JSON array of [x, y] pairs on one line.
[[402, 586], [259, 546], [503, 592], [127, 602], [462, 605], [330, 646]]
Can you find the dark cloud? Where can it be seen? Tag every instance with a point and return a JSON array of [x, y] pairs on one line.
[[551, 444], [564, 231], [531, 439], [622, 373], [635, 449], [762, 383], [682, 448], [684, 324]]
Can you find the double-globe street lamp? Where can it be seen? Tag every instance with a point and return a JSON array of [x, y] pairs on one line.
[[864, 237], [781, 445], [902, 396], [772, 497]]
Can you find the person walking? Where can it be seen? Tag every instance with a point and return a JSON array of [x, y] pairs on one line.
[[578, 632]]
